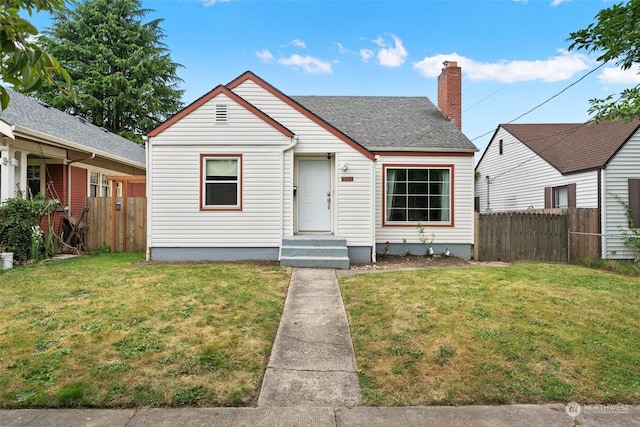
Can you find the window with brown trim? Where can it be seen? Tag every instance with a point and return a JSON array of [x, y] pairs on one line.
[[634, 201], [562, 197], [417, 194], [221, 182]]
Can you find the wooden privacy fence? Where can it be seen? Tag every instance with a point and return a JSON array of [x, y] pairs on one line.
[[130, 221], [535, 235]]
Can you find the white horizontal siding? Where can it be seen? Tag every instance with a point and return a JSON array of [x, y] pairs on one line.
[[519, 176], [175, 218], [178, 220], [624, 165], [461, 232], [199, 128], [353, 216]]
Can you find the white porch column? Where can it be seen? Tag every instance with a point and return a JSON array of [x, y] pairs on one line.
[[11, 165], [6, 174], [20, 174]]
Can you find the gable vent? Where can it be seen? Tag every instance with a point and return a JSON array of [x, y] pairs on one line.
[[222, 114]]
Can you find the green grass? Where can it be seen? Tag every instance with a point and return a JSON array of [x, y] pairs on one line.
[[630, 268], [113, 331], [528, 333]]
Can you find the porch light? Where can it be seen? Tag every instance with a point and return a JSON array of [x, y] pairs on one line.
[[345, 167]]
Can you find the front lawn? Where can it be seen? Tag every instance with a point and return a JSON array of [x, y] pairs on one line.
[[528, 333], [111, 331]]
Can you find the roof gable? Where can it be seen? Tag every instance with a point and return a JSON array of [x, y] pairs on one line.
[[211, 95], [367, 123], [573, 147], [248, 75], [37, 118]]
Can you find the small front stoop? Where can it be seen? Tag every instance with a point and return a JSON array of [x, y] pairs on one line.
[[314, 251]]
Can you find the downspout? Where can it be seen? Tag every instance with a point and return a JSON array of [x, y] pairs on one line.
[[147, 152], [374, 198], [91, 156], [602, 205], [283, 150], [488, 209]]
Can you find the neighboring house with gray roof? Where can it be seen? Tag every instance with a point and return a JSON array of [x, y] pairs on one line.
[[247, 172], [565, 165], [44, 150]]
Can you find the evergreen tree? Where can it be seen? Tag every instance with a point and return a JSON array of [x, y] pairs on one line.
[[124, 78]]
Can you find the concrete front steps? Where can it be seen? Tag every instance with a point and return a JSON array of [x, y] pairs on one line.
[[314, 251]]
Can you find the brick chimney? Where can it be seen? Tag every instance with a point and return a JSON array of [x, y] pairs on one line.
[[450, 92]]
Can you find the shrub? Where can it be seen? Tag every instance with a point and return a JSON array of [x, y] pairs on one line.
[[18, 217]]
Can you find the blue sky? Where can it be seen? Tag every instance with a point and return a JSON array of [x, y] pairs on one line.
[[513, 53]]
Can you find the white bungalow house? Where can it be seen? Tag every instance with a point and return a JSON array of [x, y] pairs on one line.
[[248, 173], [583, 165]]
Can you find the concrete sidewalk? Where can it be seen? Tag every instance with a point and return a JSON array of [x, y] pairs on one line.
[[312, 362], [482, 416]]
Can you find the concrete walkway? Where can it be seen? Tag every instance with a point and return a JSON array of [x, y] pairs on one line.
[[312, 362]]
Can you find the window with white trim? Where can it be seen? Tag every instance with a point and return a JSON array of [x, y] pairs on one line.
[[34, 181], [94, 178], [417, 194], [221, 182], [561, 197], [104, 186]]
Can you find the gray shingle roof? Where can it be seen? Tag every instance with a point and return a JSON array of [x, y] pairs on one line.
[[389, 123], [31, 114]]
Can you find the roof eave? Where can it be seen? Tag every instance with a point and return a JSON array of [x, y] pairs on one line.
[[63, 143], [6, 129], [380, 150]]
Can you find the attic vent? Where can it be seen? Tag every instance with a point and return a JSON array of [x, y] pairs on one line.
[[44, 104], [222, 114]]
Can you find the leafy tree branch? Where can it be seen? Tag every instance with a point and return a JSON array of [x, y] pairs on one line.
[[23, 63]]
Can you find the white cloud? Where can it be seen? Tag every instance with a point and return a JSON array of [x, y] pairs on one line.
[[366, 54], [553, 2], [208, 3], [619, 76], [296, 43], [307, 63], [557, 68], [390, 55], [299, 43], [265, 56]]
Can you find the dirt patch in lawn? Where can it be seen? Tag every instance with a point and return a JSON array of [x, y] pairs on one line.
[[405, 262]]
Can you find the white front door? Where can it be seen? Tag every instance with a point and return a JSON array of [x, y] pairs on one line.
[[314, 195]]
